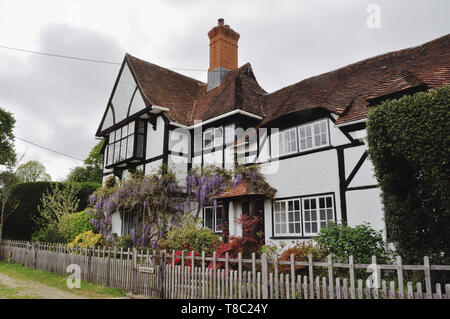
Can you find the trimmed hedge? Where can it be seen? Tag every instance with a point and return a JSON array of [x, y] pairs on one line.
[[20, 224], [409, 145]]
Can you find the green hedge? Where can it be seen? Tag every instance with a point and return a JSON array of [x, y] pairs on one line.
[[20, 224], [409, 145]]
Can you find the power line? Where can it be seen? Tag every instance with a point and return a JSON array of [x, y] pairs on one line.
[[87, 59], [48, 149], [51, 134]]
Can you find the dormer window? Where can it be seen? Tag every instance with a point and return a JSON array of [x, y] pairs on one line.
[[126, 144]]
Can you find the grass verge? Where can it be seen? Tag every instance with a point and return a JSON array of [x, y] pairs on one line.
[[87, 290]]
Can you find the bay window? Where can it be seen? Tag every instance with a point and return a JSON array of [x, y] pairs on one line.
[[126, 143]]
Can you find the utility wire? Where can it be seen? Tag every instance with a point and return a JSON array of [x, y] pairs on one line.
[[48, 149], [88, 60], [51, 134]]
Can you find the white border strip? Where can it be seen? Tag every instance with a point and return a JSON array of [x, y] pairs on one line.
[[352, 122], [238, 111]]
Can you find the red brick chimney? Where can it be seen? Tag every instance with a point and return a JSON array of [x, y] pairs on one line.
[[223, 52]]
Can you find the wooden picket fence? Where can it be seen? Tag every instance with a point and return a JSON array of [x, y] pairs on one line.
[[164, 275]]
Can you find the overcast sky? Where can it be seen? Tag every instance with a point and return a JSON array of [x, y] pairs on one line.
[[58, 103]]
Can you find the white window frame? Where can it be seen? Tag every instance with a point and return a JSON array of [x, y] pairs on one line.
[[284, 218], [218, 210], [214, 131], [283, 143], [314, 133], [317, 211]]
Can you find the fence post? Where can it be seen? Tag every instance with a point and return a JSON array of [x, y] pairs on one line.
[[265, 287], [134, 271], [162, 269], [426, 264], [240, 274], [330, 276], [311, 277], [203, 275], [275, 266], [352, 277], [401, 287]]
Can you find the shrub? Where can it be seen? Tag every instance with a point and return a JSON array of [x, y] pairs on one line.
[[88, 239], [362, 242], [190, 234], [47, 235], [79, 223], [301, 251], [124, 241], [21, 225], [409, 145]]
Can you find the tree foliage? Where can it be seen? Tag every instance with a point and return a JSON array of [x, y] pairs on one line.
[[8, 202], [92, 171], [22, 223], [32, 171], [409, 145], [56, 207], [7, 153]]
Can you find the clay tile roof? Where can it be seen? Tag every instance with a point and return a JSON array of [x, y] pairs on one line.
[[346, 92], [166, 88], [238, 90], [246, 188]]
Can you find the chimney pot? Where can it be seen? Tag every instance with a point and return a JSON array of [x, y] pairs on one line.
[[223, 54]]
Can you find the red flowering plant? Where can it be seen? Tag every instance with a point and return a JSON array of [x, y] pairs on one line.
[[250, 241], [188, 251]]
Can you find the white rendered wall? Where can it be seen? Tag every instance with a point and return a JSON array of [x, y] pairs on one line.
[[155, 139], [116, 224], [365, 206]]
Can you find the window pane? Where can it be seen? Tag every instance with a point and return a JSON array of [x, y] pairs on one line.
[[123, 149], [283, 228], [291, 217], [207, 139], [140, 146], [329, 214], [130, 145], [297, 228], [321, 202], [296, 205], [291, 228], [329, 203], [314, 227], [277, 228], [219, 219], [297, 216], [307, 216], [218, 136], [307, 227], [313, 215], [131, 128], [283, 217], [277, 217], [322, 214], [229, 134], [209, 218], [116, 152]]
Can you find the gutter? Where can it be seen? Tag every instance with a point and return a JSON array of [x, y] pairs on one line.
[[199, 124], [352, 122]]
